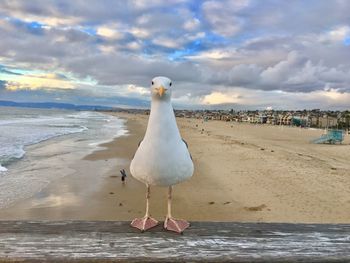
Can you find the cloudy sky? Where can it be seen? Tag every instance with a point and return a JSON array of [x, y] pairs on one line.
[[242, 54]]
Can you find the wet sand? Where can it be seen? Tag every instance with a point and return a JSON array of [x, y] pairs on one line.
[[243, 172]]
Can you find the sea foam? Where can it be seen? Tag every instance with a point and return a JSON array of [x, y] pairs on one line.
[[2, 169], [23, 127], [80, 133]]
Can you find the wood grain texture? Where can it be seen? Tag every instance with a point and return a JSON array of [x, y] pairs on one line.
[[85, 241]]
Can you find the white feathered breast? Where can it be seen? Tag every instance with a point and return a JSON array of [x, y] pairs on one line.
[[162, 157]]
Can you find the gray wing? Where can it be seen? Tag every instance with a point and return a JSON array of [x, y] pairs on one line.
[[187, 147], [137, 147]]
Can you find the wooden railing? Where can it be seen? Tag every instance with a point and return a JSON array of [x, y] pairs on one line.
[[86, 241]]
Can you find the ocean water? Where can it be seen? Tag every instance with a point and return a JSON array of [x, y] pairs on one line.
[[22, 127]]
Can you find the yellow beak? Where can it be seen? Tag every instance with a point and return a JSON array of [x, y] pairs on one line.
[[161, 91]]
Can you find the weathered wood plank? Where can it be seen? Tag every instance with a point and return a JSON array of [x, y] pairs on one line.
[[83, 241]]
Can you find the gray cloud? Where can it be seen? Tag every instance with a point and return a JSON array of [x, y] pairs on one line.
[[294, 74], [204, 46], [2, 85], [117, 69], [223, 16]]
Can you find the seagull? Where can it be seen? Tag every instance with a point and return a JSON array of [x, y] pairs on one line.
[[162, 158]]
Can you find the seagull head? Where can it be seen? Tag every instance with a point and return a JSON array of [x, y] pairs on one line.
[[161, 88]]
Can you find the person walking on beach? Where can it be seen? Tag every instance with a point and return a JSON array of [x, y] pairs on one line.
[[123, 173]]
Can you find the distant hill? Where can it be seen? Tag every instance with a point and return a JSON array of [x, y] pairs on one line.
[[53, 105]]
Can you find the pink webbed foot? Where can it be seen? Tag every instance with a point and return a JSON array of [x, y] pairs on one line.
[[175, 225], [144, 223]]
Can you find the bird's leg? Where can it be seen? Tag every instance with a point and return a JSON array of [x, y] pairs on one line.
[[147, 221], [170, 223]]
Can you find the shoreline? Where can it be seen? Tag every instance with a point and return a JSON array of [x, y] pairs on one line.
[[28, 183], [260, 174]]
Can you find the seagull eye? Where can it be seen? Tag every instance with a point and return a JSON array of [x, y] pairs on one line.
[[170, 84], [152, 82]]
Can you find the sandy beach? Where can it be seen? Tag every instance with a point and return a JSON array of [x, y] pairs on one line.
[[243, 172]]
